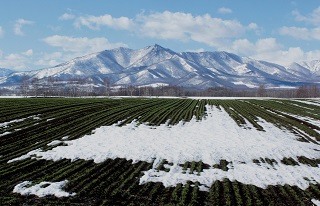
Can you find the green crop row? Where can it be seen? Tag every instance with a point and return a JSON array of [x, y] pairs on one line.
[[116, 181]]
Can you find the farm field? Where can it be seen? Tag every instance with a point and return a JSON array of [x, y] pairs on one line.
[[140, 151]]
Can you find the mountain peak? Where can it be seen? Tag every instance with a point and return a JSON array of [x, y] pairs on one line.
[[154, 47], [120, 49], [155, 64]]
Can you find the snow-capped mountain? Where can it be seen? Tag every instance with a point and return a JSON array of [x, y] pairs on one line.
[[309, 69], [155, 65], [5, 72]]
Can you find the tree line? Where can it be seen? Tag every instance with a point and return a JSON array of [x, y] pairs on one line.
[[77, 87]]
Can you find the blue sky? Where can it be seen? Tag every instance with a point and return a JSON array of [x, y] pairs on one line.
[[36, 34]]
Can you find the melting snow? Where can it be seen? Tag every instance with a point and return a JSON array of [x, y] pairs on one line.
[[213, 139], [54, 142], [5, 124], [316, 202], [314, 102], [42, 189], [3, 134]]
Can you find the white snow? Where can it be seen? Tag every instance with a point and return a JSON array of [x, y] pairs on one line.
[[213, 139], [282, 87], [309, 102], [54, 142], [246, 84], [79, 73], [316, 202], [64, 138], [12, 96], [29, 154], [5, 124], [307, 119], [208, 68], [42, 189], [3, 134]]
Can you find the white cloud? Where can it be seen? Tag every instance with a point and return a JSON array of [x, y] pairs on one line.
[[70, 47], [66, 16], [1, 32], [81, 45], [261, 46], [197, 50], [172, 25], [16, 61], [185, 26], [270, 50], [19, 24], [28, 52], [95, 22], [301, 33], [253, 26], [313, 17], [51, 59], [283, 57], [224, 10], [304, 33]]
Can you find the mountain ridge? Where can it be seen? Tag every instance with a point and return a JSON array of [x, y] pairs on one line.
[[158, 65]]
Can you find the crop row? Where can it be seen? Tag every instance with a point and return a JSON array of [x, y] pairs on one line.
[[116, 181]]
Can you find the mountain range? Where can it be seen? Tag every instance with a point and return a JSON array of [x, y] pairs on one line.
[[155, 65]]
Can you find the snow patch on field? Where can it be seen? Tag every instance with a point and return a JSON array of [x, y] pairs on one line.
[[42, 189], [315, 101], [316, 202], [54, 142], [5, 124], [3, 134], [248, 173], [64, 138], [213, 139], [29, 154], [307, 119]]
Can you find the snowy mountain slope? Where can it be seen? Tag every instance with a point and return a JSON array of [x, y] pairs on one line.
[[84, 66], [299, 70], [158, 65], [231, 64], [216, 61], [5, 72], [16, 78], [313, 66], [305, 69]]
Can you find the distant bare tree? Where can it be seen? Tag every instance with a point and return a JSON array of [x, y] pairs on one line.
[[314, 91], [261, 92], [88, 83], [50, 86], [302, 92], [73, 85], [131, 89], [35, 86], [307, 91], [107, 84], [25, 85]]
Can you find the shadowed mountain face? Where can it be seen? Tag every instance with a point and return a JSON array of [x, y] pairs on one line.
[[155, 65], [5, 72]]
